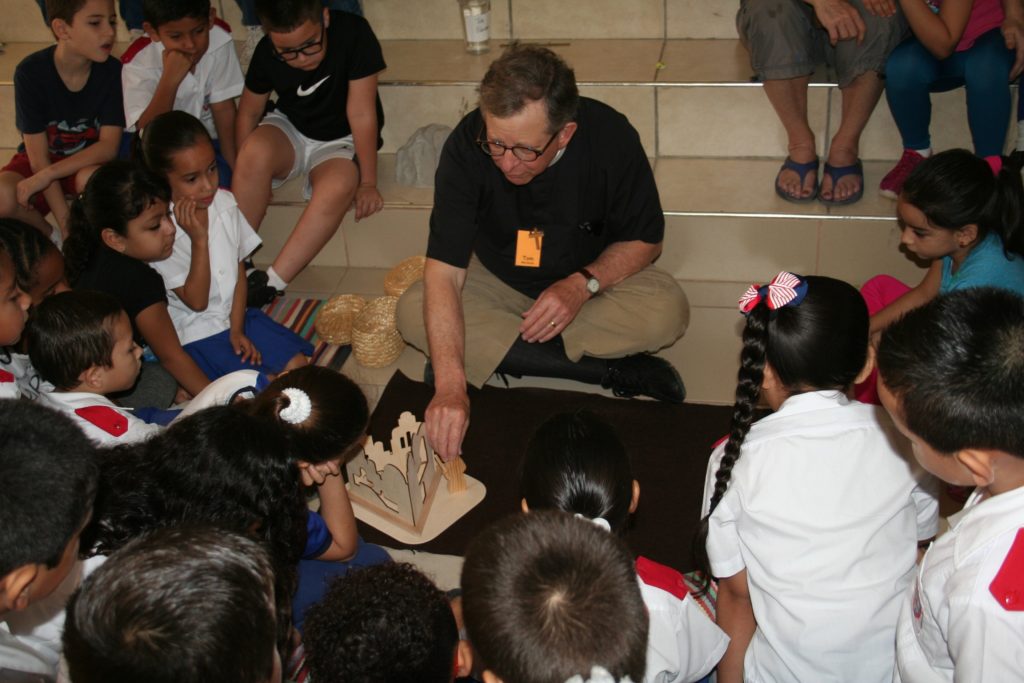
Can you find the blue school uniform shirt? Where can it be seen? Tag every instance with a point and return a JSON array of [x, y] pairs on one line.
[[987, 265], [318, 536]]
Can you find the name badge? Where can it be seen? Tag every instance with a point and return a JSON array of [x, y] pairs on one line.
[[528, 247]]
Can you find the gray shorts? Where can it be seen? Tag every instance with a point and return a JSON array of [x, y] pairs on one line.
[[785, 40], [309, 153]]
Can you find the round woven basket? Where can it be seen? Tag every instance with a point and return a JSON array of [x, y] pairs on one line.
[[403, 275], [375, 338], [334, 322]]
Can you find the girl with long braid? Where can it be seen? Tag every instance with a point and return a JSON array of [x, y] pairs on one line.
[[813, 513]]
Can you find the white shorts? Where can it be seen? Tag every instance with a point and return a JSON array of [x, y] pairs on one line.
[[309, 153]]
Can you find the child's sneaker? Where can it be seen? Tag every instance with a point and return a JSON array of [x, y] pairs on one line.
[[892, 183]]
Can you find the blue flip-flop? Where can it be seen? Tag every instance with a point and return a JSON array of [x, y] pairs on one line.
[[801, 170], [837, 172]]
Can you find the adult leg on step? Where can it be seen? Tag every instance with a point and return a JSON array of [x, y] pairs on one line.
[[334, 185], [986, 71], [859, 67], [784, 51]]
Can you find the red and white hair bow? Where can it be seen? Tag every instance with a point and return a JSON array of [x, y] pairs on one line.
[[785, 289]]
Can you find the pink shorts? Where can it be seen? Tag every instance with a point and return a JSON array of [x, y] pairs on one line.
[[878, 292], [19, 164]]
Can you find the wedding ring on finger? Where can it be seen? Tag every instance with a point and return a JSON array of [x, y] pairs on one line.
[[554, 324]]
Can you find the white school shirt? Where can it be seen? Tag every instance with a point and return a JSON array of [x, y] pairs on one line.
[[103, 421], [18, 377], [231, 240], [217, 77], [683, 644], [963, 619], [824, 511], [35, 632]]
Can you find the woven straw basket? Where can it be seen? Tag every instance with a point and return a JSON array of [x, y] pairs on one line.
[[403, 275], [334, 322], [375, 338]]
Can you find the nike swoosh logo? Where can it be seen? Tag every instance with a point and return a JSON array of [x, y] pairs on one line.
[[302, 92]]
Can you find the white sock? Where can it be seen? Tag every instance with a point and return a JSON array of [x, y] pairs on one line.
[[924, 152], [274, 280]]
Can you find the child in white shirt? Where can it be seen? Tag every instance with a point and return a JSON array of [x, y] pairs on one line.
[[951, 374], [814, 512], [204, 275]]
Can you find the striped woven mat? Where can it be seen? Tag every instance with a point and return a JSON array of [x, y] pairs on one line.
[[298, 315]]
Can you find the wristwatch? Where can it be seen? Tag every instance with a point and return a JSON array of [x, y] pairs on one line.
[[593, 284]]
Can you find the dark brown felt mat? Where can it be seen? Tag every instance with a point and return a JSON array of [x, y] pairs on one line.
[[669, 446]]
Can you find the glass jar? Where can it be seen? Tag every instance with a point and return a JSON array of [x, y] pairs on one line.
[[476, 22]]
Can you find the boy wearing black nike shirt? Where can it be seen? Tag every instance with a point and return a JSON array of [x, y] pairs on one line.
[[326, 122]]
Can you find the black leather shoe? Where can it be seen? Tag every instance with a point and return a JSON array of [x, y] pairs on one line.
[[644, 375], [260, 293]]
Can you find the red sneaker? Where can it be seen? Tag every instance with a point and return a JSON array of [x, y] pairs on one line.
[[892, 183]]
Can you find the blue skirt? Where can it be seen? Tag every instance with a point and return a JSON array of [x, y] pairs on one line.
[[276, 343]]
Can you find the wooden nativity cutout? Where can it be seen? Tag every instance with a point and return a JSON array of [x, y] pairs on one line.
[[398, 489]]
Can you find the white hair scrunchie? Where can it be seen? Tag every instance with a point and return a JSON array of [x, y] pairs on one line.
[[299, 406], [596, 521], [599, 674]]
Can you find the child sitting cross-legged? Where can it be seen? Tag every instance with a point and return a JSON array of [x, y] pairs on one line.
[[67, 101], [388, 624], [48, 476], [951, 374], [188, 604], [548, 597], [204, 275], [576, 462], [81, 343]]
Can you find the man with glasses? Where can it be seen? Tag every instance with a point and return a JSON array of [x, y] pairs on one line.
[[546, 221], [323, 67]]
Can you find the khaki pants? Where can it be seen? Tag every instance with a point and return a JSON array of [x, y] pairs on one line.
[[643, 313]]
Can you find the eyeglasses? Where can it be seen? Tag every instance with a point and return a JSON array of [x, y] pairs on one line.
[[309, 49], [521, 152]]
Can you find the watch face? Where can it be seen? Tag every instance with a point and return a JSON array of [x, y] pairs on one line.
[[593, 285]]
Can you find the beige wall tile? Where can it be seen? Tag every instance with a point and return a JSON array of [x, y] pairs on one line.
[[724, 186], [384, 239], [728, 122], [417, 61], [23, 22], [407, 108], [701, 19], [857, 250], [428, 19], [364, 281], [707, 357], [9, 136], [535, 19], [636, 103], [705, 61], [278, 225], [707, 294], [611, 61], [737, 249], [321, 281]]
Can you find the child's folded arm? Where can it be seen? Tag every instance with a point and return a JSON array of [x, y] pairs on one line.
[[336, 510], [924, 292]]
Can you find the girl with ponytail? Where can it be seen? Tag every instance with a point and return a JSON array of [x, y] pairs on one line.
[[813, 513], [323, 414], [119, 224], [963, 215]]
